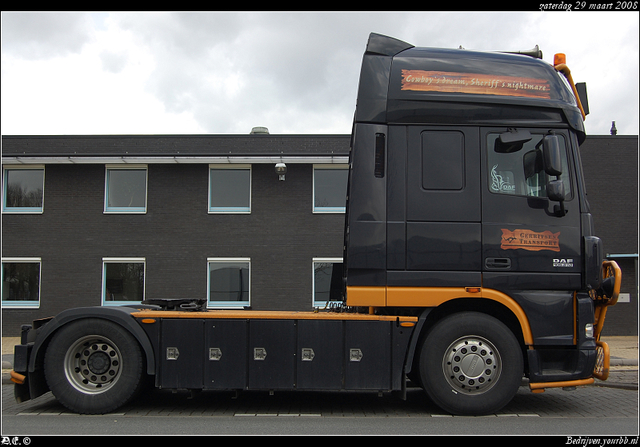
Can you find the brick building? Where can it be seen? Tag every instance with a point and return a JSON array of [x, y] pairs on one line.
[[610, 166], [109, 220]]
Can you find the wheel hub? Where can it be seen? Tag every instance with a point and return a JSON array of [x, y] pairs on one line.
[[98, 363], [472, 364], [92, 364]]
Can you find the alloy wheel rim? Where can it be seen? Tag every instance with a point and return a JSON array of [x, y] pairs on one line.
[[472, 365], [93, 364]]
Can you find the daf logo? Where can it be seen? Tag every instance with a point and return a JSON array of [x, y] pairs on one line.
[[561, 262]]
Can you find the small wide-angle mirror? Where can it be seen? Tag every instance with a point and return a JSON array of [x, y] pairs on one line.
[[511, 141]]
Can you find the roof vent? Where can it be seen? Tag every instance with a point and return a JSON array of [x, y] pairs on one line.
[[259, 130]]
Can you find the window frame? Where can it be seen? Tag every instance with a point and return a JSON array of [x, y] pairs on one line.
[[327, 209], [125, 260], [321, 260], [121, 209], [229, 209], [228, 304], [5, 180], [17, 304], [567, 176]]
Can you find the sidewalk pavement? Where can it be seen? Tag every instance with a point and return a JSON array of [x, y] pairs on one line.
[[623, 363]]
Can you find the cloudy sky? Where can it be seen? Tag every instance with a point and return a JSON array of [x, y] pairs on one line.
[[293, 72]]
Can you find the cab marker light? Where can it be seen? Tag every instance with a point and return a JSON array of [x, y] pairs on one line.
[[588, 330]]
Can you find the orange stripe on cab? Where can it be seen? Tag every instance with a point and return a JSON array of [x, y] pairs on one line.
[[433, 297]]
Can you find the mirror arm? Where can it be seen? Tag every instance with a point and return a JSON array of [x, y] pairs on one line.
[[559, 210]]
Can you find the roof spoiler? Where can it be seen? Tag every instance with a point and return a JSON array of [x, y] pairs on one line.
[[386, 46], [389, 46]]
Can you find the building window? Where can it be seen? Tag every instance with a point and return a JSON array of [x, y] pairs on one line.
[[21, 282], [327, 281], [126, 189], [229, 282], [23, 190], [330, 188], [230, 189], [123, 281]]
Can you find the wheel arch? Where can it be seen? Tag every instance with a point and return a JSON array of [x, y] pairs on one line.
[[497, 305], [499, 310], [119, 315]]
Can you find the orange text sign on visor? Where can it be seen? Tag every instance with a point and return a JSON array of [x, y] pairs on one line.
[[479, 84]]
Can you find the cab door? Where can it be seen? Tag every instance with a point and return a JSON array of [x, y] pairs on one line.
[[434, 207], [531, 240]]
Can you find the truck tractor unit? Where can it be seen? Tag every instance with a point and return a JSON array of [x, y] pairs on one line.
[[470, 265]]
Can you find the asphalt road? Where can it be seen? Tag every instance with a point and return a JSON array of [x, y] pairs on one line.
[[588, 411]]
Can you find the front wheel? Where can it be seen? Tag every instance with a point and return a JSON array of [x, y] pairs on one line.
[[93, 366], [471, 363]]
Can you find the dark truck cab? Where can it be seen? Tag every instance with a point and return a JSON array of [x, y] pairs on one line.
[[466, 193], [470, 260]]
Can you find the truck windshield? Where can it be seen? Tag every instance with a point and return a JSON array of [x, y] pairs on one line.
[[522, 172]]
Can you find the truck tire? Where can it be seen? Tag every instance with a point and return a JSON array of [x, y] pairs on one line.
[[471, 364], [93, 366]]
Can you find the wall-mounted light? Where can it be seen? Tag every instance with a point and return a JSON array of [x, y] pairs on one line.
[[281, 170]]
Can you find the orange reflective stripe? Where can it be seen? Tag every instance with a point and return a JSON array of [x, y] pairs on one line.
[[268, 315], [540, 386], [514, 307], [366, 296], [17, 377], [433, 297]]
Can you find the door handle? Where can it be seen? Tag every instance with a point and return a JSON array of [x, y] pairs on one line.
[[497, 263]]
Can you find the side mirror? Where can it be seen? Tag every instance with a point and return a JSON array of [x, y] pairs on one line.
[[551, 154], [555, 190], [581, 88]]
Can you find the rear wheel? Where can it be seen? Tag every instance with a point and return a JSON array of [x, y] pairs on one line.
[[471, 363], [93, 366]]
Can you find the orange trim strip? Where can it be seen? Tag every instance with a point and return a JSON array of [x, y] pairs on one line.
[[366, 296], [433, 297], [514, 307], [17, 378], [542, 385], [269, 315]]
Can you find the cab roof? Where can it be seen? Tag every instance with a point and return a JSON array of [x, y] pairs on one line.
[[401, 83]]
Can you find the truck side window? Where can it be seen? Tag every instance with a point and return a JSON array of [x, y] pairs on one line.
[[522, 172]]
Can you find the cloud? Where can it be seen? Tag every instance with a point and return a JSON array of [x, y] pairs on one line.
[[248, 68], [44, 35], [113, 62], [297, 72]]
